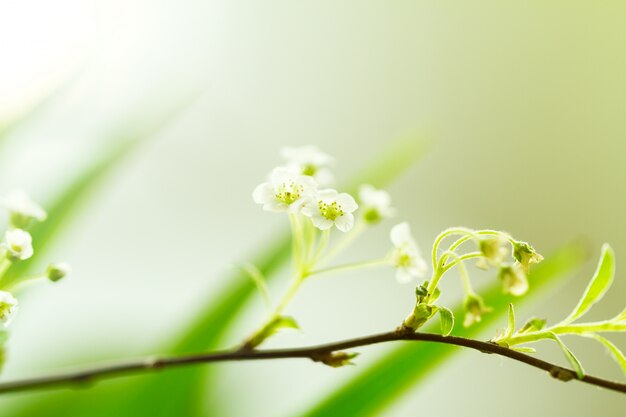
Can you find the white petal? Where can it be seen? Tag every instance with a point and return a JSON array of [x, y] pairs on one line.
[[321, 222], [327, 195], [401, 234], [263, 193], [403, 276], [310, 209], [345, 222], [324, 176], [346, 202]]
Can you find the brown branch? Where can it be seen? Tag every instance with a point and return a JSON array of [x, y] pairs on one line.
[[320, 353]]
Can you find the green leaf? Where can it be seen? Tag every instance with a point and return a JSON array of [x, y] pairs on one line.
[[524, 349], [599, 284], [388, 378], [446, 320], [571, 358], [276, 325], [533, 325], [181, 392], [617, 354], [511, 325]]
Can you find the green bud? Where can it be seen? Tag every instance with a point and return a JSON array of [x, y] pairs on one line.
[[58, 271], [475, 308], [533, 325], [525, 255], [513, 279], [420, 315], [336, 359]]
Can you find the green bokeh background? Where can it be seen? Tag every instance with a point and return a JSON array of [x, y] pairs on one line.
[[524, 105]]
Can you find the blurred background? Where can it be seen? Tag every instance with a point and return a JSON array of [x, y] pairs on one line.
[[522, 107]]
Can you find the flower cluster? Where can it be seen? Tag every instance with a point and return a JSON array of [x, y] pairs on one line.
[[299, 189], [17, 246]]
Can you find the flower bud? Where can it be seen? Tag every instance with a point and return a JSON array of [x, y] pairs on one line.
[[7, 306], [18, 244], [475, 308], [22, 210], [56, 272], [514, 280], [493, 250], [525, 255]]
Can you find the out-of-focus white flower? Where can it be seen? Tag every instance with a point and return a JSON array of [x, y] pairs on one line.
[[514, 280], [285, 191], [494, 251], [376, 204], [475, 308], [8, 304], [330, 208], [58, 271], [406, 256], [22, 210], [309, 160], [18, 244]]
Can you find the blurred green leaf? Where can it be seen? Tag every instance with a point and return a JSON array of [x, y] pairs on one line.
[[399, 370], [183, 391], [511, 323], [599, 284]]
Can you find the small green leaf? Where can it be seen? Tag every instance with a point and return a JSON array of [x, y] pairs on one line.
[[337, 359], [276, 325], [617, 354], [533, 325], [446, 320], [598, 285], [573, 360], [511, 327]]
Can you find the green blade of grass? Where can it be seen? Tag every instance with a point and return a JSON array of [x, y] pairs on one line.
[[385, 381], [179, 392]]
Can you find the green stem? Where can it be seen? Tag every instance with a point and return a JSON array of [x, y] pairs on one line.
[[351, 266], [319, 249], [448, 232], [465, 279]]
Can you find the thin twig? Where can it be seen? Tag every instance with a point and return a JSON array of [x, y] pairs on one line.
[[320, 353]]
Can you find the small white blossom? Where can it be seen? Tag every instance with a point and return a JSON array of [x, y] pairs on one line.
[[18, 244], [310, 161], [494, 251], [475, 308], [285, 192], [526, 255], [8, 304], [406, 256], [376, 204], [22, 210], [514, 280], [57, 271], [330, 208]]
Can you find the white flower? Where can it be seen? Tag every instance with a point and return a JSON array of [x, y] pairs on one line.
[[376, 204], [330, 208], [406, 256], [494, 251], [475, 308], [309, 160], [285, 191], [514, 280], [22, 210], [57, 271], [526, 255], [8, 304], [19, 244]]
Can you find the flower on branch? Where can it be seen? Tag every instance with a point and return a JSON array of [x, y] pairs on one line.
[[8, 304], [526, 255], [330, 208], [494, 251], [18, 244], [309, 161], [376, 204], [22, 210], [406, 255], [475, 308], [285, 192], [513, 279]]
